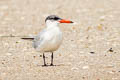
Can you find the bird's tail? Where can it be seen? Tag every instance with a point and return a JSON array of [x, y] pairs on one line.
[[27, 38]]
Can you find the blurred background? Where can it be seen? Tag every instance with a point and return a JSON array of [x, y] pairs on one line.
[[90, 49]]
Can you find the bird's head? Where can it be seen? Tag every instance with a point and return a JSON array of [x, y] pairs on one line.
[[55, 20]]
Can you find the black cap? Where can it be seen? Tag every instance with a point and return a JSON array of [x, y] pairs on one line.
[[52, 17]]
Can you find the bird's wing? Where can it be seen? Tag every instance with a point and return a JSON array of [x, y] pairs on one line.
[[38, 39]]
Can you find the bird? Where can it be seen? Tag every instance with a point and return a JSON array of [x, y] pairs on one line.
[[50, 38]]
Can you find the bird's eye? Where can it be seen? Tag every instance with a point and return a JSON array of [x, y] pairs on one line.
[[56, 18]]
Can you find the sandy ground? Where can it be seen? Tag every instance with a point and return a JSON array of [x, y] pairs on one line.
[[90, 49]]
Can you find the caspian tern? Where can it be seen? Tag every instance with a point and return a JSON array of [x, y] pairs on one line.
[[49, 39]]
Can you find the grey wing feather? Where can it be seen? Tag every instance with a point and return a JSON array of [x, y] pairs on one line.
[[38, 39]]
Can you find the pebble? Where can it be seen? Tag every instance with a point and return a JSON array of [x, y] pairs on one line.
[[100, 27], [85, 67], [110, 50], [92, 52]]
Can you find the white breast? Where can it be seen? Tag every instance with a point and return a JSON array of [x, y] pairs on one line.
[[52, 39]]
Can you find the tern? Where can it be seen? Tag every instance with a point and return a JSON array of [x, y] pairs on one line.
[[49, 39]]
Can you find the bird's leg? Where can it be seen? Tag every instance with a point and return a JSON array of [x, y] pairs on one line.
[[44, 60], [51, 60]]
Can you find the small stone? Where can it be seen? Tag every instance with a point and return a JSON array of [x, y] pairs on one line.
[[40, 55], [85, 67], [100, 27], [83, 77], [110, 50], [92, 52], [2, 62], [17, 42], [34, 56]]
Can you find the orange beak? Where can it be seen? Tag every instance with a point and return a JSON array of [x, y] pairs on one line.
[[65, 21]]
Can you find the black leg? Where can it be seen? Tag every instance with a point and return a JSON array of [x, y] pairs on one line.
[[51, 60], [44, 60]]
